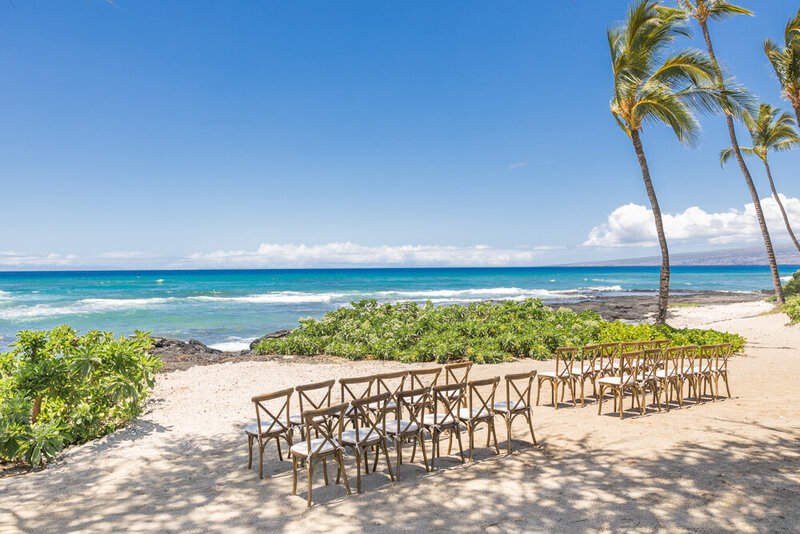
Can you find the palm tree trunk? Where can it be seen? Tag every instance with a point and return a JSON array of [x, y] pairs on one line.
[[663, 284], [780, 205], [773, 265]]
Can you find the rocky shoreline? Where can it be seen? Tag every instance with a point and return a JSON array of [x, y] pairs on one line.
[[179, 355]]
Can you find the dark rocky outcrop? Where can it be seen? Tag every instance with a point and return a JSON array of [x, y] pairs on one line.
[[164, 346], [274, 335]]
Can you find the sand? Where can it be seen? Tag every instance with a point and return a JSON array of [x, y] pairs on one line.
[[730, 465]]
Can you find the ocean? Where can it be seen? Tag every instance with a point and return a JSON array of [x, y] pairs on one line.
[[226, 309]]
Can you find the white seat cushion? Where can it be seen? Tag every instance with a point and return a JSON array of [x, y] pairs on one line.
[[391, 405], [252, 428], [464, 414], [301, 447], [364, 436], [503, 407], [298, 419], [552, 374], [392, 427], [438, 419]]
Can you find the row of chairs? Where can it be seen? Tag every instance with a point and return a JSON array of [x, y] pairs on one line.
[[637, 367], [374, 411]]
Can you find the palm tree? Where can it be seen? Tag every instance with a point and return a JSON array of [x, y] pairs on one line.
[[769, 131], [786, 62], [651, 89], [718, 10]]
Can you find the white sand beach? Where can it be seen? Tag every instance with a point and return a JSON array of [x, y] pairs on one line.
[[730, 465]]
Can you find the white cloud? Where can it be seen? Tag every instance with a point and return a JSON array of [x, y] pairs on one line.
[[351, 254], [517, 165], [12, 259], [633, 225]]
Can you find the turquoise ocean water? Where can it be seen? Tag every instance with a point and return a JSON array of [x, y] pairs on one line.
[[227, 309]]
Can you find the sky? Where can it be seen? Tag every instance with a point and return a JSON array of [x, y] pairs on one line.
[[351, 133]]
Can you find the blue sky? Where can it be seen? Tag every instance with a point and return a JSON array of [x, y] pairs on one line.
[[262, 134]]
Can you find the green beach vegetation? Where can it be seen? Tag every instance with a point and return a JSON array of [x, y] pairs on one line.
[[58, 388], [482, 332]]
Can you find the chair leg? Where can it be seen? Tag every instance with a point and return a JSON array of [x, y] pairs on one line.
[[508, 433], [414, 451], [538, 392], [250, 452], [583, 396], [325, 470], [386, 456], [340, 461], [600, 402], [529, 416], [727, 387], [424, 453], [449, 442], [471, 432], [260, 460], [358, 470], [555, 394], [294, 474], [280, 454], [310, 473], [494, 433], [460, 446], [572, 390]]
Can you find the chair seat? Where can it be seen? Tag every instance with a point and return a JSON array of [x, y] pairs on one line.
[[277, 428], [466, 415], [503, 407], [298, 419], [438, 419], [364, 437], [391, 405], [399, 427], [301, 448], [553, 374], [616, 381]]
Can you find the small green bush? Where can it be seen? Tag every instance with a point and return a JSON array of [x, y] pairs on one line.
[[792, 308], [792, 287], [58, 388], [482, 332]]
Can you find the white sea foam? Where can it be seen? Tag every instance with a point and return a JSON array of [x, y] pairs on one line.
[[495, 292], [279, 297], [81, 307], [5, 295], [233, 344], [783, 279], [604, 288]]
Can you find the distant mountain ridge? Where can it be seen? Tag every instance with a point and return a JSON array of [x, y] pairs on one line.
[[784, 254]]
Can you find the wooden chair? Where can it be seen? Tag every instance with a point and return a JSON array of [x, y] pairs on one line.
[[605, 363], [407, 425], [480, 409], [391, 383], [720, 367], [518, 402], [652, 363], [369, 431], [447, 401], [630, 346], [688, 371], [354, 389], [565, 356], [270, 424], [327, 424], [626, 380], [655, 344], [424, 378], [704, 368], [457, 373], [584, 370], [669, 377], [311, 397]]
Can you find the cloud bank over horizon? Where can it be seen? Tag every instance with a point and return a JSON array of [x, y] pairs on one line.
[[632, 225]]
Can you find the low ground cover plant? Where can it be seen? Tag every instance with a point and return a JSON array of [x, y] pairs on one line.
[[483, 332], [59, 388]]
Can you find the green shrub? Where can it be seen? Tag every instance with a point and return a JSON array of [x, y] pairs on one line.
[[792, 287], [792, 308], [482, 332], [58, 388]]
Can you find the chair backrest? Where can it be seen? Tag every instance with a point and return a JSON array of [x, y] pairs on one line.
[[424, 378], [518, 389], [447, 400], [724, 350], [356, 388], [651, 363], [672, 361], [706, 356], [630, 346], [277, 416], [391, 383], [688, 357], [608, 351], [481, 396], [315, 396], [565, 357], [327, 424], [369, 422], [589, 355], [456, 373], [660, 343], [630, 366], [413, 404]]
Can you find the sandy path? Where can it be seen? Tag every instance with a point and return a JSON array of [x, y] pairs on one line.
[[732, 465]]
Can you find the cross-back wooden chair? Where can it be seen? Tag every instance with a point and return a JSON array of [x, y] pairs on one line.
[[327, 424], [704, 363], [272, 422], [606, 363], [407, 425], [626, 379], [669, 377], [369, 431], [423, 378], [565, 357], [518, 402], [391, 383], [480, 409], [447, 401], [688, 370], [457, 373], [630, 346], [720, 367], [584, 369], [311, 397], [353, 389], [654, 344], [652, 363]]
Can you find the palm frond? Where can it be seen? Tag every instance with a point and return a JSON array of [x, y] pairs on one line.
[[719, 10]]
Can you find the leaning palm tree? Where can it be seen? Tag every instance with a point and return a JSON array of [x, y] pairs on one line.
[[718, 10], [786, 62], [771, 130], [651, 87]]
